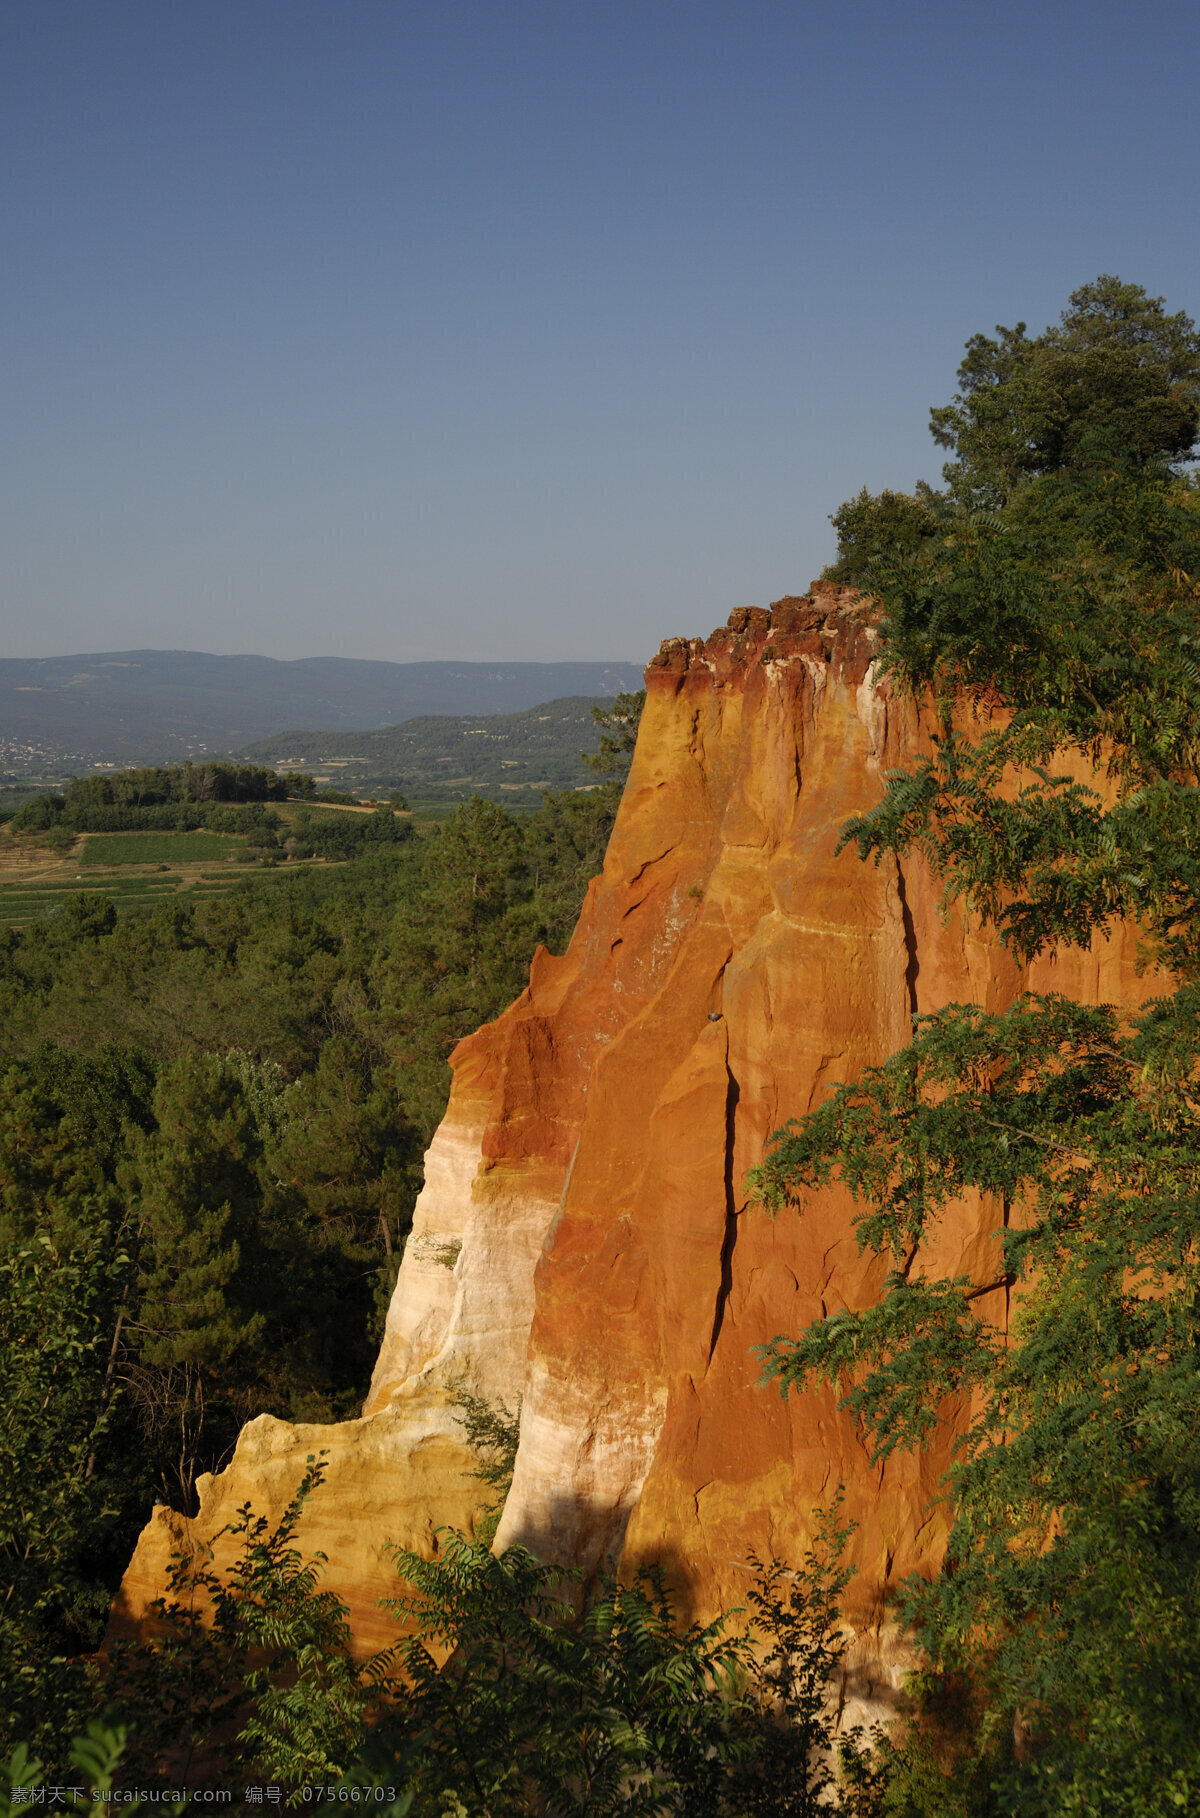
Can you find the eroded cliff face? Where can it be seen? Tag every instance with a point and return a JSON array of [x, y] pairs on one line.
[[584, 1240]]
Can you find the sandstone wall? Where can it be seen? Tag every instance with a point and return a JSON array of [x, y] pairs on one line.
[[584, 1241]]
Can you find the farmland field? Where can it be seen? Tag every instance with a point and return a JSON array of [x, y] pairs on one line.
[[135, 870], [111, 849]]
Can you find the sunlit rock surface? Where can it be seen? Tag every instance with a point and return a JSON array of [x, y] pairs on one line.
[[584, 1242]]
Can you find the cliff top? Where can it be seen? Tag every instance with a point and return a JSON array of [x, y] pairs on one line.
[[829, 622]]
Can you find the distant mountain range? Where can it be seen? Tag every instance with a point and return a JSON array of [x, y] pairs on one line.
[[151, 706], [509, 757]]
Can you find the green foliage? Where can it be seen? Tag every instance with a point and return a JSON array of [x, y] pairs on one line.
[[1117, 381], [890, 524], [194, 1184], [210, 1115], [86, 916], [313, 834], [620, 723], [254, 1658], [184, 796], [522, 1701], [1097, 662], [1072, 1582], [95, 1097], [96, 1755], [565, 843], [21, 1771], [1073, 439], [537, 1710], [65, 1270], [461, 947], [252, 1196], [794, 1764], [493, 1434], [516, 1702], [55, 1315], [504, 1696], [339, 1142], [1061, 1635]]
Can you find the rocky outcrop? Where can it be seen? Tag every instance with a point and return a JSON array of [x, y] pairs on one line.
[[584, 1241]]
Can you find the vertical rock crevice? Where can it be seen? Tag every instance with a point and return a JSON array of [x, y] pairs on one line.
[[912, 962], [732, 1210]]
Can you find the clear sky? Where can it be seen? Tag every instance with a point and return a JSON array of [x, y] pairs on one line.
[[437, 328]]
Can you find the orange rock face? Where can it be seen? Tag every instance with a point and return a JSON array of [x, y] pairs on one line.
[[584, 1240]]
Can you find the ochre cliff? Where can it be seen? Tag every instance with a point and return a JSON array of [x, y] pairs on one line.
[[583, 1241]]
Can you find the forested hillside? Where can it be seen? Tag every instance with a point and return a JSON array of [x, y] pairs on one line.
[[212, 1118], [509, 757]]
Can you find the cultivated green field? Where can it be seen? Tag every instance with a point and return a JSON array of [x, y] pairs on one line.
[[158, 848], [20, 903], [137, 870]]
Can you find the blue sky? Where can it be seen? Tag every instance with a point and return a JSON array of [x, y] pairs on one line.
[[526, 330]]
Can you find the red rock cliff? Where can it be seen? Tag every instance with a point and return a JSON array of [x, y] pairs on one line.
[[584, 1239]]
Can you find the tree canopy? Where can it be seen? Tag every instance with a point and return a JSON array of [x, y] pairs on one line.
[[1117, 381], [1058, 580], [212, 1114]]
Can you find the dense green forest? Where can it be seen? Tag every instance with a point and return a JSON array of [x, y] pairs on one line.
[[211, 1112], [183, 796]]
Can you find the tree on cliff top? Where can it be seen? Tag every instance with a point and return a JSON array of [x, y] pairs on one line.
[[1063, 1634], [1112, 391], [1116, 382]]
